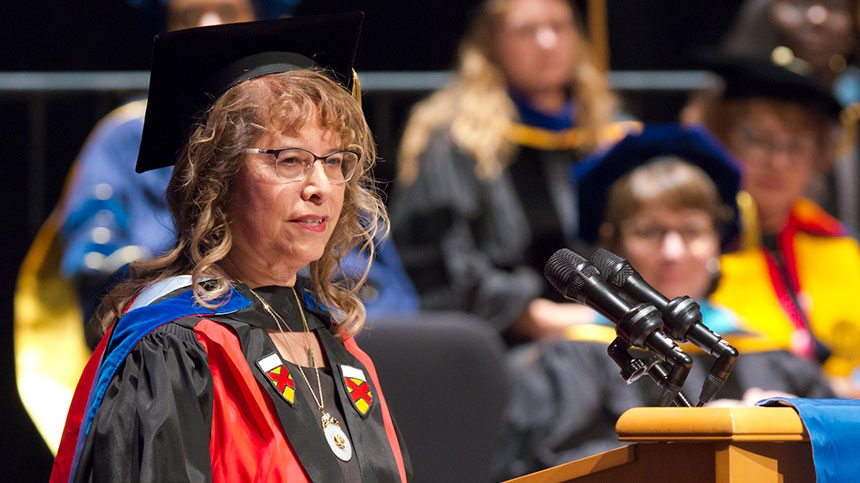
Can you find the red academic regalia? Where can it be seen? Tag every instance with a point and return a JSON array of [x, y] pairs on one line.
[[179, 394]]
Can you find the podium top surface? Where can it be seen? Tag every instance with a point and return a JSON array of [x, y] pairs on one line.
[[711, 424]]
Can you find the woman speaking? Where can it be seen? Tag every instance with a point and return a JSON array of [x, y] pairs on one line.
[[230, 357]]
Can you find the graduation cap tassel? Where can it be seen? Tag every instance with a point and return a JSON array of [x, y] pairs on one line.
[[848, 137], [598, 26], [356, 87], [750, 231]]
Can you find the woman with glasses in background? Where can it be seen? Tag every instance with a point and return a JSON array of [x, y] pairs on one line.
[[662, 200], [796, 275]]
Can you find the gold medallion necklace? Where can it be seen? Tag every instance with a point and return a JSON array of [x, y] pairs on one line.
[[334, 435]]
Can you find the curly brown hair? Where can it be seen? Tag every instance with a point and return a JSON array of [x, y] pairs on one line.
[[199, 193]]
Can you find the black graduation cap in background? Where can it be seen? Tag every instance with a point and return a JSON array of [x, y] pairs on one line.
[[191, 68], [749, 77], [596, 173]]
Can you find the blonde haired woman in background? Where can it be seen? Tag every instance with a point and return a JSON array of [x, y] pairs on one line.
[[484, 196]]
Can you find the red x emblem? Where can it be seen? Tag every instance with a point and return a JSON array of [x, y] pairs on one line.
[[276, 372], [359, 390], [281, 378]]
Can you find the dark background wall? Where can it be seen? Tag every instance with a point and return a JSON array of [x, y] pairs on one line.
[[398, 35], [73, 35]]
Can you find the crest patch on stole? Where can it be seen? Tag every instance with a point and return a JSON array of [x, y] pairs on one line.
[[276, 372], [358, 388]]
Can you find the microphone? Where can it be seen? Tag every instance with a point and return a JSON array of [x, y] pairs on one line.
[[641, 325], [681, 316]]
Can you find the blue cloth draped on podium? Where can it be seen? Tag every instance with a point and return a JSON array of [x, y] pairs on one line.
[[833, 426]]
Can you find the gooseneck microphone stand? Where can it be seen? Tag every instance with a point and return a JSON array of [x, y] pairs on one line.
[[668, 366], [640, 326], [682, 317]]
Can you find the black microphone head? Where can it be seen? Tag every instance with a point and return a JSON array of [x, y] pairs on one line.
[[587, 271], [613, 269], [576, 279], [559, 269], [563, 270]]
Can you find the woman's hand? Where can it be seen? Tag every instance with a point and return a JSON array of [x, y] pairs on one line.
[[545, 318]]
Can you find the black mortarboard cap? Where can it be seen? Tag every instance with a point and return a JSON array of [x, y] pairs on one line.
[[191, 68], [596, 173], [750, 77]]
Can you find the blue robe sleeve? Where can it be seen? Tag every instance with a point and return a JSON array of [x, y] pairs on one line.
[[107, 206]]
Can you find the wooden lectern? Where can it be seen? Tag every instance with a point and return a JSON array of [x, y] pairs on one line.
[[721, 445]]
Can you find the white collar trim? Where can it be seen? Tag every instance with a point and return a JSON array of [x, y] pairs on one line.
[[159, 289]]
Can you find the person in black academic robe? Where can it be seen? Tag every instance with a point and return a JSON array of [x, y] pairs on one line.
[[231, 357]]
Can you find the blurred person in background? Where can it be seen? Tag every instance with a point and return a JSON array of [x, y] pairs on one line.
[[662, 200], [810, 36], [796, 274], [817, 38], [671, 217], [482, 198]]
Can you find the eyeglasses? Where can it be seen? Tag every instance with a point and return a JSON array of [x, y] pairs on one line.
[[759, 146], [296, 164], [650, 236]]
